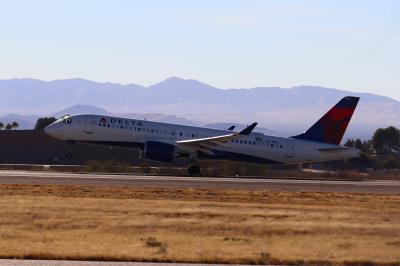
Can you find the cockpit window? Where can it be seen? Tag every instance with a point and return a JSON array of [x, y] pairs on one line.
[[67, 120]]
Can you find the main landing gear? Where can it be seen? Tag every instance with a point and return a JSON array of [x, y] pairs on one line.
[[193, 169]]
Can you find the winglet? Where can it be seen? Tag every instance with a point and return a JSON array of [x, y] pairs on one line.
[[231, 128], [248, 130]]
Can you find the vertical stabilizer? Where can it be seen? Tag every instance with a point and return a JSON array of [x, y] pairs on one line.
[[331, 127]]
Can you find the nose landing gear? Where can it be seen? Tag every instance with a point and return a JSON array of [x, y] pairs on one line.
[[68, 154]]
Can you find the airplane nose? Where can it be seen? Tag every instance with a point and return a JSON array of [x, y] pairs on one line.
[[48, 130], [52, 130]]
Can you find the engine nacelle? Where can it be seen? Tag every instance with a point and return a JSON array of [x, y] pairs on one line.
[[159, 151]]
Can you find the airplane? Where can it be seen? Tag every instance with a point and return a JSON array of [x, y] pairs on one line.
[[166, 142]]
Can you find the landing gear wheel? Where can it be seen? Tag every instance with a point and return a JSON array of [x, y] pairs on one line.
[[193, 170], [70, 144]]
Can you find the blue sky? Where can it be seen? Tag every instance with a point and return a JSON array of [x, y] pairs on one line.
[[352, 45]]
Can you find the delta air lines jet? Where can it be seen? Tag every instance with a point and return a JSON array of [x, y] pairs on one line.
[[165, 142]]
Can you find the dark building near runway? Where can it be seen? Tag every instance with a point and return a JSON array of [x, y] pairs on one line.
[[35, 147]]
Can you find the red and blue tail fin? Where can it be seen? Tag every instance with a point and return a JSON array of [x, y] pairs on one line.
[[331, 127]]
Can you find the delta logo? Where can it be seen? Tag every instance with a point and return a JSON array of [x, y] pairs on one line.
[[103, 120]]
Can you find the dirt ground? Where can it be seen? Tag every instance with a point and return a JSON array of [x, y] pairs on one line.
[[198, 225]]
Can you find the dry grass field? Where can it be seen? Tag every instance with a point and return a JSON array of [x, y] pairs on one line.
[[187, 225]]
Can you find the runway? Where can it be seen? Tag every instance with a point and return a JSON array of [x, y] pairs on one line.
[[277, 184], [10, 262]]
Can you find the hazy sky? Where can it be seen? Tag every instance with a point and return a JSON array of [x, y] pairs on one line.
[[352, 45]]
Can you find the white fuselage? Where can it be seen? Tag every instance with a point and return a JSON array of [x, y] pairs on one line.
[[256, 147]]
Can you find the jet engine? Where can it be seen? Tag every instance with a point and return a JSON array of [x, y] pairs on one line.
[[159, 151]]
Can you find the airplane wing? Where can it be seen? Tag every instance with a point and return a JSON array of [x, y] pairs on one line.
[[217, 140]]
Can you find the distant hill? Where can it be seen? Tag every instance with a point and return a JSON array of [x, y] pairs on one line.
[[29, 121], [81, 109], [161, 118], [280, 110], [239, 127]]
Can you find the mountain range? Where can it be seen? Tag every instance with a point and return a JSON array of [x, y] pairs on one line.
[[278, 110]]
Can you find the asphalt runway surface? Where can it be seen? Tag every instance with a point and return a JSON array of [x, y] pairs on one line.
[[277, 184], [90, 263]]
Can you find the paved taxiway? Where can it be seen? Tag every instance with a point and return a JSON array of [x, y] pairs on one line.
[[281, 184]]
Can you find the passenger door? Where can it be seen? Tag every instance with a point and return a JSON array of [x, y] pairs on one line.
[[290, 148], [89, 125], [173, 134]]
